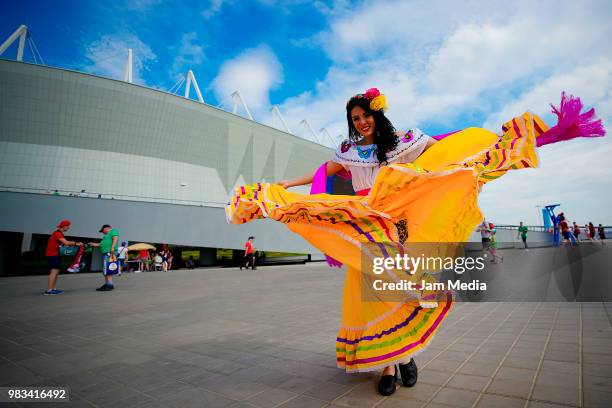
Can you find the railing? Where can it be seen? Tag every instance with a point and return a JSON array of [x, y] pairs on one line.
[[105, 196], [540, 228]]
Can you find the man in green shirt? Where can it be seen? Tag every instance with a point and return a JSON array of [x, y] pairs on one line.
[[108, 246], [522, 231]]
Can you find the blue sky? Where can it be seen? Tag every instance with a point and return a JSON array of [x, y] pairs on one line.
[[443, 65]]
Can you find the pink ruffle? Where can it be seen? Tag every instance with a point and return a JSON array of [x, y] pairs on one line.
[[571, 123]]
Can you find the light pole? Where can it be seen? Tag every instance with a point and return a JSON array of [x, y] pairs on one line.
[[538, 207]]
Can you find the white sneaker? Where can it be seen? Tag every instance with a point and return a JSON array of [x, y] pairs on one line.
[[74, 270]]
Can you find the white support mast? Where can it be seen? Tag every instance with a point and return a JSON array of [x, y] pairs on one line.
[[127, 72], [237, 98], [311, 130], [191, 78], [21, 32], [276, 113], [326, 133]]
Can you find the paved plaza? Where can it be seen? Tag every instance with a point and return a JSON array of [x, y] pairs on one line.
[[228, 338]]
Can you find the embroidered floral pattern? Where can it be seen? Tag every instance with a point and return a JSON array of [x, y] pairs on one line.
[[346, 145], [365, 153], [350, 153], [408, 136]]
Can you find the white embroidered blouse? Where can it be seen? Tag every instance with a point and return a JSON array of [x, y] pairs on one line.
[[361, 160]]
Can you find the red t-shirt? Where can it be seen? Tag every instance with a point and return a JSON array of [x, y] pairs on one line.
[[564, 226], [54, 243], [249, 248]]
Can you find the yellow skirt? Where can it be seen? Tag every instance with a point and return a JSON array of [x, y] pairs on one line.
[[435, 198]]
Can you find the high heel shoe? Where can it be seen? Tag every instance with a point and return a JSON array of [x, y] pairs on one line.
[[386, 384], [410, 373]]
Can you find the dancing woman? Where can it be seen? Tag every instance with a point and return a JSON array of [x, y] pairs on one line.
[[411, 188]]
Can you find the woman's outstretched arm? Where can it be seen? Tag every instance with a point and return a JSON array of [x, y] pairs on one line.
[[332, 168]]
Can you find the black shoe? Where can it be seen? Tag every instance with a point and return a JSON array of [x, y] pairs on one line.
[[410, 373], [105, 288], [386, 385]]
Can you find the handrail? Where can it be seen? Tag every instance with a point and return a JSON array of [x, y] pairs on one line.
[[106, 196]]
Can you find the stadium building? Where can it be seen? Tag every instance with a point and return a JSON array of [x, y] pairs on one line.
[[158, 166]]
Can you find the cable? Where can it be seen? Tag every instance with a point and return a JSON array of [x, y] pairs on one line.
[[33, 44], [177, 85]]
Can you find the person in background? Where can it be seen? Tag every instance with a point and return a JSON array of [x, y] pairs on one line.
[[485, 234], [157, 261], [122, 256], [522, 232], [602, 233], [576, 231], [108, 246], [143, 256], [164, 255], [497, 258], [249, 254], [586, 232], [170, 258], [190, 263], [591, 229], [52, 254], [565, 229]]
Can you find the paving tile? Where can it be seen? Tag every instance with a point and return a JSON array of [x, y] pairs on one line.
[[420, 392], [443, 365], [598, 398], [484, 370], [455, 398], [512, 388], [468, 382], [561, 395], [497, 401], [519, 374], [327, 391], [271, 398], [303, 401], [362, 395], [433, 377]]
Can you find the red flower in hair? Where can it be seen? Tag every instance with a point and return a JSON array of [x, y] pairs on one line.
[[372, 93]]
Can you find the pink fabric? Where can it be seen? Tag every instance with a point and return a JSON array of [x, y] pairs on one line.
[[442, 136], [319, 186], [571, 123], [319, 180]]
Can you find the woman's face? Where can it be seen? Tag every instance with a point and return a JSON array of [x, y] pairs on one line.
[[363, 121]]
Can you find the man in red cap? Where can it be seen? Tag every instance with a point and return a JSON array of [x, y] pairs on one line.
[[52, 253]]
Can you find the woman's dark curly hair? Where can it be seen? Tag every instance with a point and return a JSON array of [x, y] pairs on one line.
[[385, 138]]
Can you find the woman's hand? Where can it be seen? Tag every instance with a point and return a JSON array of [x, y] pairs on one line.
[[284, 183]]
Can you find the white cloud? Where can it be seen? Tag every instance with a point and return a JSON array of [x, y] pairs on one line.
[[254, 73], [440, 62], [190, 55], [213, 8], [108, 56], [577, 173]]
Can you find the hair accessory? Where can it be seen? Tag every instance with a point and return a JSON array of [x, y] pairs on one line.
[[378, 101]]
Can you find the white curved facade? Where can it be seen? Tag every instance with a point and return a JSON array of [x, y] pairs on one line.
[[70, 131], [158, 155]]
